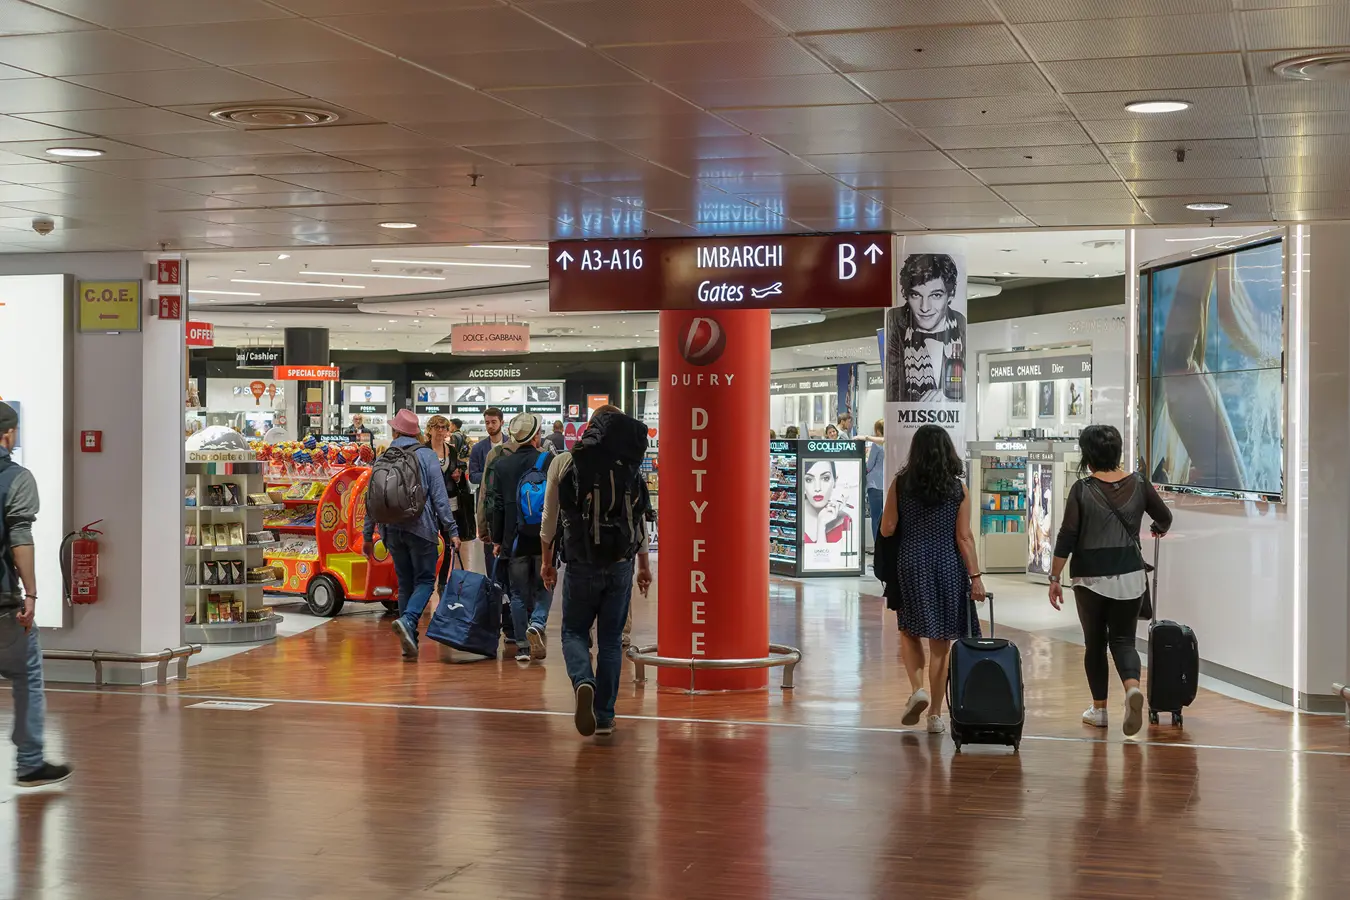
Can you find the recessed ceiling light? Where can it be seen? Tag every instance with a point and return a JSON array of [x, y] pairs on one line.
[[393, 320], [1211, 238], [1208, 206], [283, 256], [1074, 262], [1157, 106], [345, 287], [76, 152], [442, 262], [1004, 274], [398, 225], [226, 293], [506, 247], [368, 275], [264, 265], [241, 271]]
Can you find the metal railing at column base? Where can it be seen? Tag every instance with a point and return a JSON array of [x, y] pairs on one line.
[[779, 655], [1344, 691], [163, 657]]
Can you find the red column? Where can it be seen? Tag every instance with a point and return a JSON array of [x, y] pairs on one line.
[[713, 576]]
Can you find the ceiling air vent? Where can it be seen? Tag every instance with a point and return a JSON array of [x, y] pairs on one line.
[[1331, 65], [274, 116]]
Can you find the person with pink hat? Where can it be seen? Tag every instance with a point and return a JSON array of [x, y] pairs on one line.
[[410, 535]]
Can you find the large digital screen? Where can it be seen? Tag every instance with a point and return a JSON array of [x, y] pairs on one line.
[[1216, 333], [33, 379]]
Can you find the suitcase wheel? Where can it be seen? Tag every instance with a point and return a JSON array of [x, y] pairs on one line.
[[958, 744], [1153, 717], [1017, 746], [1176, 720]]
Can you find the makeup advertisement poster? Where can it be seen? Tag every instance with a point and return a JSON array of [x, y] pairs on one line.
[[831, 520], [925, 363], [1040, 540]]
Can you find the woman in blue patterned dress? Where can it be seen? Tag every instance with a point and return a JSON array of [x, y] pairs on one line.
[[938, 572]]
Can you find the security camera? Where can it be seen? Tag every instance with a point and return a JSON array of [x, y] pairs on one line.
[[44, 226]]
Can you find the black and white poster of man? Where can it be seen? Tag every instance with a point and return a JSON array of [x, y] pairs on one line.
[[925, 365]]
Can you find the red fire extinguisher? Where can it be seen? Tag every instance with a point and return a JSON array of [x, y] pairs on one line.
[[79, 564]]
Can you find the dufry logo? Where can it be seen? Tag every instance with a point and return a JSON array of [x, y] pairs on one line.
[[704, 342]]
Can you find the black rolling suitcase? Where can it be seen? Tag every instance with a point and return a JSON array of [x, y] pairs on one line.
[[984, 689], [1173, 660]]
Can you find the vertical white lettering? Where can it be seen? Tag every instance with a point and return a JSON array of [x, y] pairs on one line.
[[847, 267], [700, 449], [700, 419], [696, 648], [729, 376], [696, 582], [674, 381], [698, 548], [698, 509], [698, 612], [698, 479], [713, 379]]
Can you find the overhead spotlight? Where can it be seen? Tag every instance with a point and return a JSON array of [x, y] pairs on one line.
[[1209, 206], [398, 225], [1157, 106], [74, 152], [283, 256]]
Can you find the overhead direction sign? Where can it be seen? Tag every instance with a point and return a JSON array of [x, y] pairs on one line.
[[793, 271]]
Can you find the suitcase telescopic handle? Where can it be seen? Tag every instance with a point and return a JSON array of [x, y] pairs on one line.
[[975, 614], [1153, 597]]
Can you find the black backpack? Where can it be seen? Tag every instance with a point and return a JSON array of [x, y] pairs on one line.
[[396, 495], [604, 500], [9, 574]]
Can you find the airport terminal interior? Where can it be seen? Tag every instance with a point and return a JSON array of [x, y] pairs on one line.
[[837, 325]]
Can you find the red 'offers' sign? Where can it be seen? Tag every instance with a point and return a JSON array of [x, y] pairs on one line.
[[305, 373], [200, 334]]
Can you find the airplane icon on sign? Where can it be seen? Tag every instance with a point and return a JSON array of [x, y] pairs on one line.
[[772, 290]]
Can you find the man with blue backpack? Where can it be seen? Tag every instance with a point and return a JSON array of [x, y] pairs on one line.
[[515, 507]]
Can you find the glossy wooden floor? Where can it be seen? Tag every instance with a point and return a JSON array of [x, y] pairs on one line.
[[368, 777]]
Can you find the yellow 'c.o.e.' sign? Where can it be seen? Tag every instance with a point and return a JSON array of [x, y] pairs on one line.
[[110, 306]]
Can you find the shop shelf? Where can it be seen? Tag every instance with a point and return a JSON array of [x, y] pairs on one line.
[[290, 502], [214, 547], [219, 509], [782, 557], [290, 529], [233, 587], [267, 507]]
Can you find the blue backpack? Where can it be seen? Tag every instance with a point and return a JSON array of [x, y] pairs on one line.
[[530, 495]]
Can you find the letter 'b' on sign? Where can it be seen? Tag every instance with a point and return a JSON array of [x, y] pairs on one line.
[[847, 267]]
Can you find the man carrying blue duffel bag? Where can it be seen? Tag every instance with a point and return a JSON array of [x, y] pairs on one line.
[[469, 615]]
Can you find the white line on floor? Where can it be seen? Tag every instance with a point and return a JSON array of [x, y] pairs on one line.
[[676, 720]]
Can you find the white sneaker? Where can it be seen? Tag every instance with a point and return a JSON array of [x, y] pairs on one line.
[[918, 702], [1095, 717], [1134, 712], [936, 725]]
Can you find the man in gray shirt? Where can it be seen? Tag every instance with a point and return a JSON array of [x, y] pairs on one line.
[[20, 653]]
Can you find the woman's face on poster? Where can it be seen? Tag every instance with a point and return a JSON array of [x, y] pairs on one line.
[[928, 304], [819, 484]]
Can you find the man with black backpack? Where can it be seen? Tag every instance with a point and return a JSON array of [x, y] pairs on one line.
[[598, 493], [515, 510], [20, 653], [406, 499]]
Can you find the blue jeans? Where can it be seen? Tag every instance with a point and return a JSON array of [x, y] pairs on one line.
[[530, 600], [21, 663], [876, 505], [415, 564], [596, 595]]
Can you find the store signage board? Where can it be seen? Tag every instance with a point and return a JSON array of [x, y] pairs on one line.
[[109, 307], [807, 271], [200, 334], [259, 357], [503, 371], [305, 373], [832, 448], [784, 448], [1039, 368], [802, 383], [1009, 446], [1038, 456], [876, 381], [489, 339]]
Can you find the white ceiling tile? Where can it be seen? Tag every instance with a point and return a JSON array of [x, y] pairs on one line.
[[897, 138], [792, 90], [1002, 110], [339, 80], [1004, 157], [840, 15], [974, 136], [18, 17], [1044, 174], [966, 81], [127, 121], [49, 94], [1191, 187], [226, 185], [719, 60], [518, 131], [23, 194], [111, 149], [613, 128], [436, 33], [15, 129], [917, 48], [131, 13], [1192, 168], [283, 164], [88, 53], [1165, 128], [1022, 11], [1148, 73], [207, 85], [223, 141], [1018, 194], [916, 161], [1207, 104], [256, 42], [1196, 151], [507, 69], [867, 182], [1130, 37], [1304, 123], [162, 167], [1292, 97], [901, 198], [1309, 26], [340, 139], [605, 22]]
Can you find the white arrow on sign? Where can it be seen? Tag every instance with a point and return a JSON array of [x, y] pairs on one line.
[[564, 258], [873, 252]]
